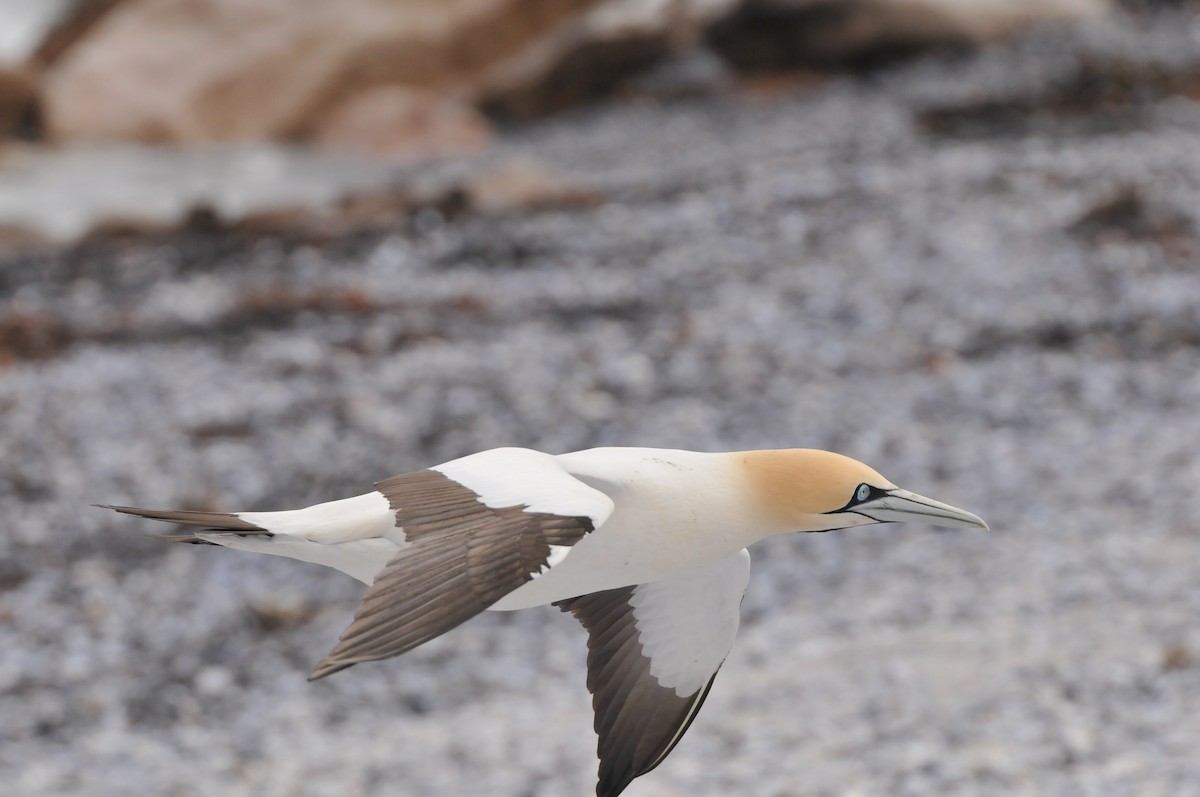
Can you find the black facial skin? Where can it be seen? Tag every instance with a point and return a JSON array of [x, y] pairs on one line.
[[872, 493]]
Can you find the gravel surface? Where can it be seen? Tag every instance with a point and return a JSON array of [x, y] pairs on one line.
[[991, 294]]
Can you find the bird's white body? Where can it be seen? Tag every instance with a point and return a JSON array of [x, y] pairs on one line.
[[672, 511], [662, 511], [646, 547]]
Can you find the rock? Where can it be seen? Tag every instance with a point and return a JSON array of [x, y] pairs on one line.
[[17, 237], [694, 72], [582, 59], [31, 336], [524, 184], [18, 104], [778, 34], [32, 34], [1130, 214], [350, 75], [187, 72], [24, 25], [588, 56], [72, 24], [398, 121]]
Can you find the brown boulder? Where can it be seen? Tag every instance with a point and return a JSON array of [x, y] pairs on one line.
[[193, 71], [401, 121], [68, 25], [32, 34]]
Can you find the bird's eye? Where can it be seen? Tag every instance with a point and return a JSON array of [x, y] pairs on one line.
[[862, 493]]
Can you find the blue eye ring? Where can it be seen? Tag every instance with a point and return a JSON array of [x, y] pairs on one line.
[[862, 493]]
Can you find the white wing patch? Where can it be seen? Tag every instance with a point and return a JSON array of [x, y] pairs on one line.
[[687, 622], [506, 477], [557, 554]]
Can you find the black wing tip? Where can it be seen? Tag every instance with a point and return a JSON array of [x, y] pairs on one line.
[[613, 786]]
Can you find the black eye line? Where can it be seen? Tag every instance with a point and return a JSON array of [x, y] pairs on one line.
[[873, 492]]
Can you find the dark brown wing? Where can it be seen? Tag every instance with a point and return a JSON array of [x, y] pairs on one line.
[[653, 652], [638, 721], [462, 557]]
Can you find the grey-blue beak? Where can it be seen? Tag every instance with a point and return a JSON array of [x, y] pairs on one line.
[[902, 506]]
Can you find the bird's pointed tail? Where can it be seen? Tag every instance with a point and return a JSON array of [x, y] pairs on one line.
[[208, 523]]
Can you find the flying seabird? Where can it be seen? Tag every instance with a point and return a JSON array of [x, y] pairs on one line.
[[645, 547]]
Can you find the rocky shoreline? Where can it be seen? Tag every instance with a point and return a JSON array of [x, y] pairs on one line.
[[964, 268]]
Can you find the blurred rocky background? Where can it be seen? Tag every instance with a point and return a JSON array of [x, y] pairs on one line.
[[256, 254]]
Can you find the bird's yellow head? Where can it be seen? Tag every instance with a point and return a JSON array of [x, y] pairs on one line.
[[805, 489]]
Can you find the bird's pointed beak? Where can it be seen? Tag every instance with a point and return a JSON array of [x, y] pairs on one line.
[[903, 506]]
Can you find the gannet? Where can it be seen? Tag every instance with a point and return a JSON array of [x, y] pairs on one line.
[[645, 547]]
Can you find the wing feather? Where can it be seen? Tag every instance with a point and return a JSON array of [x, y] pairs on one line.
[[462, 556], [646, 644]]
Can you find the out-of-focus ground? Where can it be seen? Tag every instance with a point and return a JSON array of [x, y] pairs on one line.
[[977, 270]]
